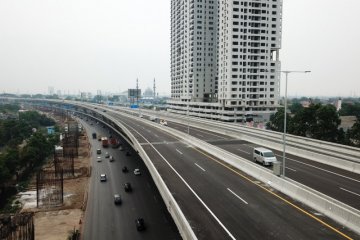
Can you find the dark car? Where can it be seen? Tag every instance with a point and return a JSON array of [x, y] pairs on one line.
[[127, 187], [125, 169], [103, 177], [128, 153], [140, 224], [117, 199]]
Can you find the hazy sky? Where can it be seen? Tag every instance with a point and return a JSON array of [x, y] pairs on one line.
[[86, 45]]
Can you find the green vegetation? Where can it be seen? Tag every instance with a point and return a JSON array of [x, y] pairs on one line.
[[317, 121], [14, 131], [348, 109], [22, 150], [9, 108]]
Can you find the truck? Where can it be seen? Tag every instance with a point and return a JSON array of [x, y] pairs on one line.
[[105, 142], [114, 142], [94, 135]]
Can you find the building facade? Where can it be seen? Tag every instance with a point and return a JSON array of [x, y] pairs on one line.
[[225, 58]]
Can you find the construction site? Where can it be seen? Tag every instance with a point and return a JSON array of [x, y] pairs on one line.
[[53, 204]]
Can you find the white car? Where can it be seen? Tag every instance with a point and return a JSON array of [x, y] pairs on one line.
[[137, 171], [98, 159]]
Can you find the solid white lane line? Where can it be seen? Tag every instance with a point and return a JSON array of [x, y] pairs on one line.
[[186, 184], [243, 151], [178, 151], [337, 174], [350, 191], [199, 167], [237, 196], [291, 169]]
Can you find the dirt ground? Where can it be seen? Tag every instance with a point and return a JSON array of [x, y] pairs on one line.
[[56, 224]]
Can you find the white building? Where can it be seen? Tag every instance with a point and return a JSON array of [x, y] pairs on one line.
[[225, 58]]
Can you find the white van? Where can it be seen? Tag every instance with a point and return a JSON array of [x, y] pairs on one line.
[[263, 155]]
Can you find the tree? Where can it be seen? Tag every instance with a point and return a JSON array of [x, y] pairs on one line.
[[303, 121], [4, 171], [327, 122], [276, 122], [295, 107], [38, 148], [355, 133], [348, 109]]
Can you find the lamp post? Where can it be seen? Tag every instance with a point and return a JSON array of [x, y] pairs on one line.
[[285, 109]]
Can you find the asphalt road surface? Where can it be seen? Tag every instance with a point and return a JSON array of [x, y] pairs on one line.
[[334, 182], [223, 203], [104, 219]]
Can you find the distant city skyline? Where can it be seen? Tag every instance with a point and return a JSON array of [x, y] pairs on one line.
[[88, 45]]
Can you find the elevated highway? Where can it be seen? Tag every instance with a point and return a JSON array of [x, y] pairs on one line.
[[219, 201], [211, 192]]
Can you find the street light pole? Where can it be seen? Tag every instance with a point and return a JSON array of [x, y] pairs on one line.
[[285, 110]]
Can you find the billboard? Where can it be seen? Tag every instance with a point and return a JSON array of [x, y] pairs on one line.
[[134, 93]]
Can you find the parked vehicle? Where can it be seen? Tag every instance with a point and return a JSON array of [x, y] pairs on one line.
[[264, 156], [94, 135], [98, 151], [125, 169]]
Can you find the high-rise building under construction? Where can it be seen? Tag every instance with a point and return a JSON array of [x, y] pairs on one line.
[[225, 58]]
